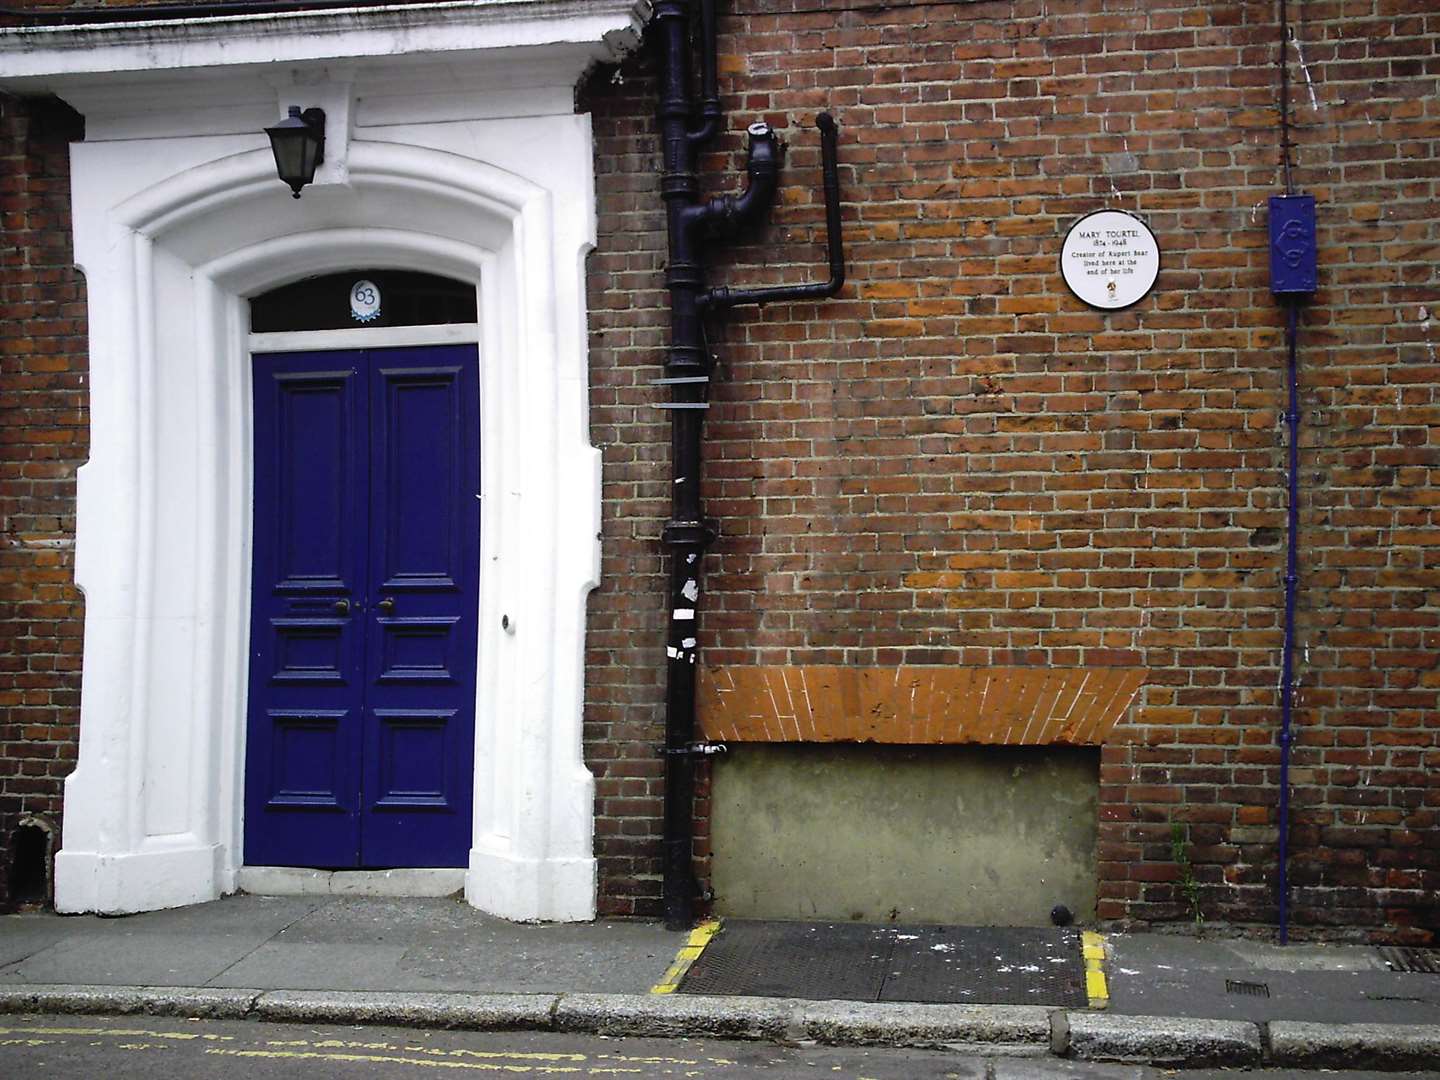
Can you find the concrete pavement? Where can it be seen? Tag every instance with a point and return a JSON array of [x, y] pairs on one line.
[[1173, 1000]]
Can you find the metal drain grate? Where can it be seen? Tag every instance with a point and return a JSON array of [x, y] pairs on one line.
[[1416, 961], [855, 962], [1247, 989], [818, 961]]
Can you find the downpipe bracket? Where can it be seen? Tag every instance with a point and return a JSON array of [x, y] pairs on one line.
[[696, 535], [696, 750]]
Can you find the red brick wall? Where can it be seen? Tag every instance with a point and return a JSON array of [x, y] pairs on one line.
[[43, 429], [957, 462]]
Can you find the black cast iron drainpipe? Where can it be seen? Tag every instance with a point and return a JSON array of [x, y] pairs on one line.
[[685, 127]]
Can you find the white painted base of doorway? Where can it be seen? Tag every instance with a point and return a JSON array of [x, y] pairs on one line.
[[296, 881]]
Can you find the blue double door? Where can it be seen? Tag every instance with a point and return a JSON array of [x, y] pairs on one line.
[[361, 718]]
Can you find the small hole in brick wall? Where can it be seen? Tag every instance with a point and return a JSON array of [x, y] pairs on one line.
[[29, 865]]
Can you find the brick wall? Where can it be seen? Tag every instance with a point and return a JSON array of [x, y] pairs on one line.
[[957, 462], [43, 430]]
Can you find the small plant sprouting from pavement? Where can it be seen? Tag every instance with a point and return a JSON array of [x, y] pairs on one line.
[[1189, 885]]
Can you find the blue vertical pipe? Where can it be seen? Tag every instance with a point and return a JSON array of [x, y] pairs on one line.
[[1287, 661], [1294, 275]]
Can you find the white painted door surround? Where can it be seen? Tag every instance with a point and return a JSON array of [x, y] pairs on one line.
[[451, 147]]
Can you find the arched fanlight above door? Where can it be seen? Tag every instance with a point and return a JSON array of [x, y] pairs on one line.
[[364, 297]]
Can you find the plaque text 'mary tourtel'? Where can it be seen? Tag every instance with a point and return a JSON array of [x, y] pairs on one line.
[[1110, 259]]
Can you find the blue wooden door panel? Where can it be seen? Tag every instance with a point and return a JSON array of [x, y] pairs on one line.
[[361, 730], [303, 765], [425, 555]]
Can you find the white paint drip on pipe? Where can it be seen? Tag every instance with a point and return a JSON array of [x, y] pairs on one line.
[[1305, 70]]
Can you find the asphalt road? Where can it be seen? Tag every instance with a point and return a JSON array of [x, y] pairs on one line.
[[155, 1048]]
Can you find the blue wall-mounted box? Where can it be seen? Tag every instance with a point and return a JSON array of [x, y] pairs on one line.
[[1294, 264]]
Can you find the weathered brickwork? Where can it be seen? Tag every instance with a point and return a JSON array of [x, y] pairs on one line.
[[42, 441], [958, 463]]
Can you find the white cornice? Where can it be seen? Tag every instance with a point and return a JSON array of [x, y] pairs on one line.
[[46, 58]]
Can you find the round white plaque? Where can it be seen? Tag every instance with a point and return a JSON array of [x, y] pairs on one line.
[[1110, 259], [364, 301]]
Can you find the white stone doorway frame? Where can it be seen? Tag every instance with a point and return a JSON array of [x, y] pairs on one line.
[[178, 220]]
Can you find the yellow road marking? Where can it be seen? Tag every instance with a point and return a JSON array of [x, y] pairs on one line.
[[326, 1049], [138, 1033], [689, 953], [434, 1051], [1092, 947], [392, 1059]]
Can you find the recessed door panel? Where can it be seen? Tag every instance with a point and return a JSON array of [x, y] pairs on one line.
[[413, 763], [419, 650], [315, 481], [308, 651], [418, 458], [309, 767], [364, 598]]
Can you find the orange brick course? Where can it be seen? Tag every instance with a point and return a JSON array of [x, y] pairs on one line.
[[917, 706]]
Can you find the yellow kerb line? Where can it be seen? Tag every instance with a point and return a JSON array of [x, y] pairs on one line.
[[1092, 947], [694, 946]]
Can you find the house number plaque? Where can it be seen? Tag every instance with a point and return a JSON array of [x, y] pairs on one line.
[[1110, 259], [364, 301]]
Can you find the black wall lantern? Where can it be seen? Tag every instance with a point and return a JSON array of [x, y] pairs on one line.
[[298, 143]]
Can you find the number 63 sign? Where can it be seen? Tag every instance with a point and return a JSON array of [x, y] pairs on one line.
[[365, 301]]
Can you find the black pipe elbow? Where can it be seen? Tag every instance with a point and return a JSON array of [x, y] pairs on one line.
[[763, 165], [728, 214]]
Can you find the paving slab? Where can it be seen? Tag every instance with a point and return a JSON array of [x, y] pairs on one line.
[[297, 966], [336, 943], [22, 936], [133, 959], [1159, 975], [242, 915], [1201, 953], [180, 946], [434, 944], [1341, 997]]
